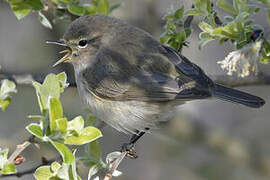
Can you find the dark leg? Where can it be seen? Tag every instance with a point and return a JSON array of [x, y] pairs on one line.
[[129, 147]]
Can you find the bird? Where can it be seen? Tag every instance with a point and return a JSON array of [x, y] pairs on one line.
[[130, 80]]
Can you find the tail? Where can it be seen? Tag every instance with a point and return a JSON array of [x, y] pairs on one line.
[[236, 96]]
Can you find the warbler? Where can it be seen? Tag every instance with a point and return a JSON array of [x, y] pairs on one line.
[[130, 80]]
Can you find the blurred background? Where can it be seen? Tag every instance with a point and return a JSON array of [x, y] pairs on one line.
[[206, 139]]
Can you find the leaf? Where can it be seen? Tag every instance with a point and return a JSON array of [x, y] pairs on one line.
[[92, 171], [20, 10], [76, 10], [7, 88], [9, 169], [115, 6], [43, 173], [192, 12], [223, 4], [55, 112], [65, 152], [93, 150], [90, 9], [55, 166], [87, 135], [103, 7], [35, 129], [76, 124], [112, 156], [49, 88], [179, 13], [4, 104], [44, 21], [62, 125], [206, 27], [62, 78], [34, 4]]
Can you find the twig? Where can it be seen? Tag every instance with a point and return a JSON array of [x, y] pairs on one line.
[[19, 149], [232, 81], [115, 165]]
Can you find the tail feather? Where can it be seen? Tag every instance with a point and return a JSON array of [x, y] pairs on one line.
[[233, 95]]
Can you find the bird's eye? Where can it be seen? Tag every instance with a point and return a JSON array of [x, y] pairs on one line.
[[82, 43]]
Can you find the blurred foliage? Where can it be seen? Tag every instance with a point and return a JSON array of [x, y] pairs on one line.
[[238, 27], [62, 9]]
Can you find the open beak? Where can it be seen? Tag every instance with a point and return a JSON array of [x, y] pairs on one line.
[[68, 51]]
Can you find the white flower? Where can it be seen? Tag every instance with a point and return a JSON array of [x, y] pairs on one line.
[[243, 62]]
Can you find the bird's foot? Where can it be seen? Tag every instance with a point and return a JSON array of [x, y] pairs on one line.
[[130, 149]]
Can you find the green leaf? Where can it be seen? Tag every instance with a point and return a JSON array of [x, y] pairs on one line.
[[223, 4], [65, 152], [103, 7], [62, 125], [9, 169], [93, 150], [35, 129], [192, 12], [87, 135], [20, 10], [115, 6], [43, 173], [44, 21], [34, 4], [4, 104], [7, 88], [49, 88], [76, 10], [62, 78], [55, 166], [76, 124], [55, 112], [90, 9], [206, 27], [179, 13], [180, 37]]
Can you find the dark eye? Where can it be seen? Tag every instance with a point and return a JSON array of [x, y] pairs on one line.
[[82, 43]]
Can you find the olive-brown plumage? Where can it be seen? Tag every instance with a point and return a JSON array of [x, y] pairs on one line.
[[130, 80]]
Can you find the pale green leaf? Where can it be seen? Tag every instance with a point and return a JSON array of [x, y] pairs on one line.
[[76, 10], [65, 152], [90, 9], [9, 169], [87, 135], [55, 166], [103, 7], [4, 103], [205, 27], [192, 12], [55, 112], [7, 88], [43, 173], [76, 124], [62, 125], [225, 5], [35, 130], [44, 21], [20, 10]]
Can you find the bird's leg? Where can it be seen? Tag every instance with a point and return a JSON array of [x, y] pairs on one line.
[[129, 147]]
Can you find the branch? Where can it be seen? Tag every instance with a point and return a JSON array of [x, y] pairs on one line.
[[115, 165], [232, 81]]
